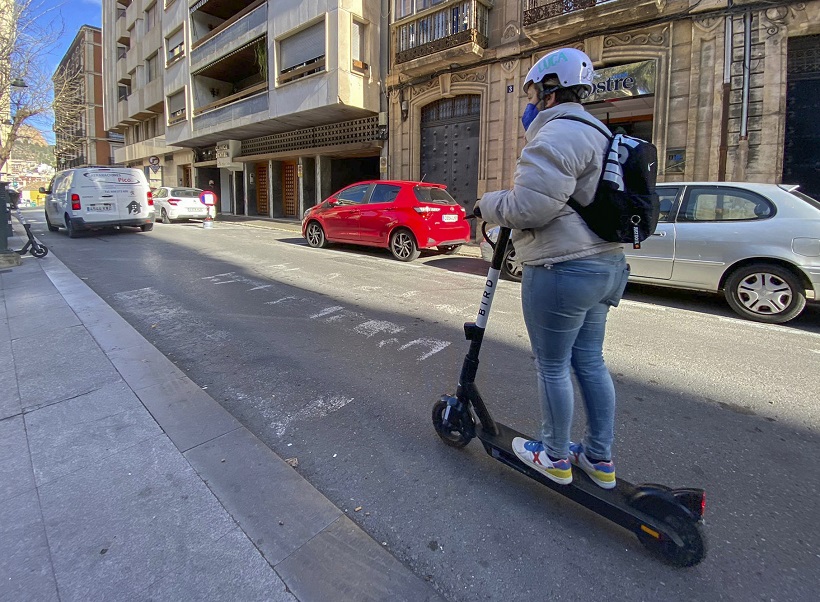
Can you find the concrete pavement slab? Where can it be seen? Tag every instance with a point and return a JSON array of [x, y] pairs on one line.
[[187, 414], [20, 301], [243, 575], [25, 563], [117, 526], [65, 363], [10, 397], [261, 491], [69, 435], [26, 279], [43, 318], [16, 475], [343, 564], [112, 333], [143, 365]]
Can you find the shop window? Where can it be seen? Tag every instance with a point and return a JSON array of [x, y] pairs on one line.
[[302, 54]]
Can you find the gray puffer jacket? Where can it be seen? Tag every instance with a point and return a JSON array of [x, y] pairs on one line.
[[561, 159]]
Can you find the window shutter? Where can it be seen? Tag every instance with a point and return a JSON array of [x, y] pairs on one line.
[[176, 102], [301, 47], [356, 37]]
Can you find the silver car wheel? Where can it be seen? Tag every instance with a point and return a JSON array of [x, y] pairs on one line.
[[512, 269], [764, 293], [403, 246], [315, 235]]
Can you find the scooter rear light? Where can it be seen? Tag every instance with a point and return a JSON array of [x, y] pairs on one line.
[[693, 499], [75, 202], [173, 201], [150, 199]]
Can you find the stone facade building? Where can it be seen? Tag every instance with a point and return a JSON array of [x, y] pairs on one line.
[[724, 90]]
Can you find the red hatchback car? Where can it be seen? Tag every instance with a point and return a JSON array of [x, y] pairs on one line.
[[401, 216]]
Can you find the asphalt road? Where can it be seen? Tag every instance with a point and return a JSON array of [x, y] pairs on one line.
[[335, 357]]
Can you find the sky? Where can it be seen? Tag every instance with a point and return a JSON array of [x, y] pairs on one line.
[[74, 14]]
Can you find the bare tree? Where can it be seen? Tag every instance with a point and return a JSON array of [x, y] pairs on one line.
[[29, 33]]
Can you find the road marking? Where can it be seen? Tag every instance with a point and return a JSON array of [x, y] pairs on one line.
[[434, 344], [318, 408], [261, 286], [374, 327], [280, 300], [326, 311]]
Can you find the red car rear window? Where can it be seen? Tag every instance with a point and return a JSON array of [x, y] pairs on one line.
[[431, 194]]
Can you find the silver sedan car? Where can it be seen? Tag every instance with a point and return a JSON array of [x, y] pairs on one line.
[[757, 243]]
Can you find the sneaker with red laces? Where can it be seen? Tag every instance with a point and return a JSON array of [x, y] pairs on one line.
[[533, 453], [601, 473]]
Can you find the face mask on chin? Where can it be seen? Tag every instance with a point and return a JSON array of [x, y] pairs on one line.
[[530, 113]]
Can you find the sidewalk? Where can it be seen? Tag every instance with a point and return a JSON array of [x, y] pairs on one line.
[[120, 478]]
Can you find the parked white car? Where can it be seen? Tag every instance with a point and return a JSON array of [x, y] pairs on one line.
[[98, 197], [175, 204], [758, 243]]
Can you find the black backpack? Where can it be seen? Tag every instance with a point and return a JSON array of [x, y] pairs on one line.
[[626, 207]]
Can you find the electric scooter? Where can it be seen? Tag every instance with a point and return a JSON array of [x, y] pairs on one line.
[[668, 522], [32, 246]]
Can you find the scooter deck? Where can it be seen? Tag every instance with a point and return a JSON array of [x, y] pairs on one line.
[[610, 503]]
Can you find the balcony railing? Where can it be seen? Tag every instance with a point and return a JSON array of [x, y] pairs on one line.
[[177, 116], [539, 10], [450, 26]]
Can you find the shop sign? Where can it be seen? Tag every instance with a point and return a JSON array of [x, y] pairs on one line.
[[225, 152], [623, 81]]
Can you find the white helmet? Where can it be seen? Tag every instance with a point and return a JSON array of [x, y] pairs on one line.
[[572, 68]]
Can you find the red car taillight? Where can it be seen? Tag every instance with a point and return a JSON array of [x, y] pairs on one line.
[[75, 202], [150, 199], [425, 211], [173, 201]]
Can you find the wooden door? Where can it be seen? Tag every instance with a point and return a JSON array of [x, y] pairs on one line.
[[290, 192], [262, 189]]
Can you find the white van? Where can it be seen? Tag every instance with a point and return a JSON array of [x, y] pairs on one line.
[[98, 197]]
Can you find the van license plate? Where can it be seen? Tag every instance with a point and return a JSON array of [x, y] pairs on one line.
[[100, 207], [449, 217]]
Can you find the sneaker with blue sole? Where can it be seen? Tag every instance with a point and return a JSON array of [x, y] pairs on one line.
[[601, 473], [534, 454]]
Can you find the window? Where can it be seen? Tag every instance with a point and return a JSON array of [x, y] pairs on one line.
[[151, 17], [357, 45], [667, 196], [123, 92], [353, 195], [302, 53], [151, 69], [404, 8], [121, 52], [433, 194], [176, 107], [384, 193], [174, 46], [717, 204]]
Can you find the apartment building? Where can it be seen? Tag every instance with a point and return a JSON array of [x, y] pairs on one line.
[[273, 105], [134, 94], [79, 128], [726, 91]]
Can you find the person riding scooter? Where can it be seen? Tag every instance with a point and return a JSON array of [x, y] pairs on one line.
[[571, 276]]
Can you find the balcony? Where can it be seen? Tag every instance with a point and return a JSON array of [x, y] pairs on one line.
[[453, 32], [549, 22], [539, 10], [246, 25], [241, 74], [121, 31]]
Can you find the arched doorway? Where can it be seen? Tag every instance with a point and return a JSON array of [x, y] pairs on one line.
[[449, 146]]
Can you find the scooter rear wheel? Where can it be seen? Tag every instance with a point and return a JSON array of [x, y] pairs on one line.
[[679, 521], [454, 431]]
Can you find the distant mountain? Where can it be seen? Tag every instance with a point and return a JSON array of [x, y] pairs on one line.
[[34, 150], [31, 135]]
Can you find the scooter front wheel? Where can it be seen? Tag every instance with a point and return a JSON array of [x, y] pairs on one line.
[[454, 429], [691, 548], [39, 251]]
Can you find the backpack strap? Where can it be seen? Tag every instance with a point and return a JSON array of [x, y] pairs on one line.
[[589, 123], [575, 205]]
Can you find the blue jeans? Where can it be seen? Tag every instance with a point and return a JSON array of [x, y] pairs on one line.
[[565, 307]]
